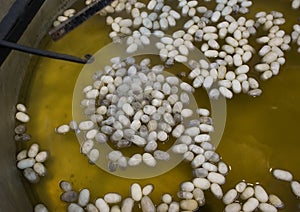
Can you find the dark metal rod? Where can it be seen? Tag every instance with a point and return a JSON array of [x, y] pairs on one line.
[[44, 53]]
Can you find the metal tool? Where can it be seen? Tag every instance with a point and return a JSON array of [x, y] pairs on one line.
[[45, 53], [80, 17]]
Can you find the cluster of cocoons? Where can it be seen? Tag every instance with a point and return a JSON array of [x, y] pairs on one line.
[[31, 163], [64, 17], [22, 117]]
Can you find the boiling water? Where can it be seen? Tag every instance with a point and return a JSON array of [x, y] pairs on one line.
[[260, 133]]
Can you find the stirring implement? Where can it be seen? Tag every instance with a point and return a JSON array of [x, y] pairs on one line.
[[40, 52]]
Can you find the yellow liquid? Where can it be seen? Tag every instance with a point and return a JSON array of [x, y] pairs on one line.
[[260, 133]]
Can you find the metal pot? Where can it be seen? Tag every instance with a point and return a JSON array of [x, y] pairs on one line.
[[14, 78]]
